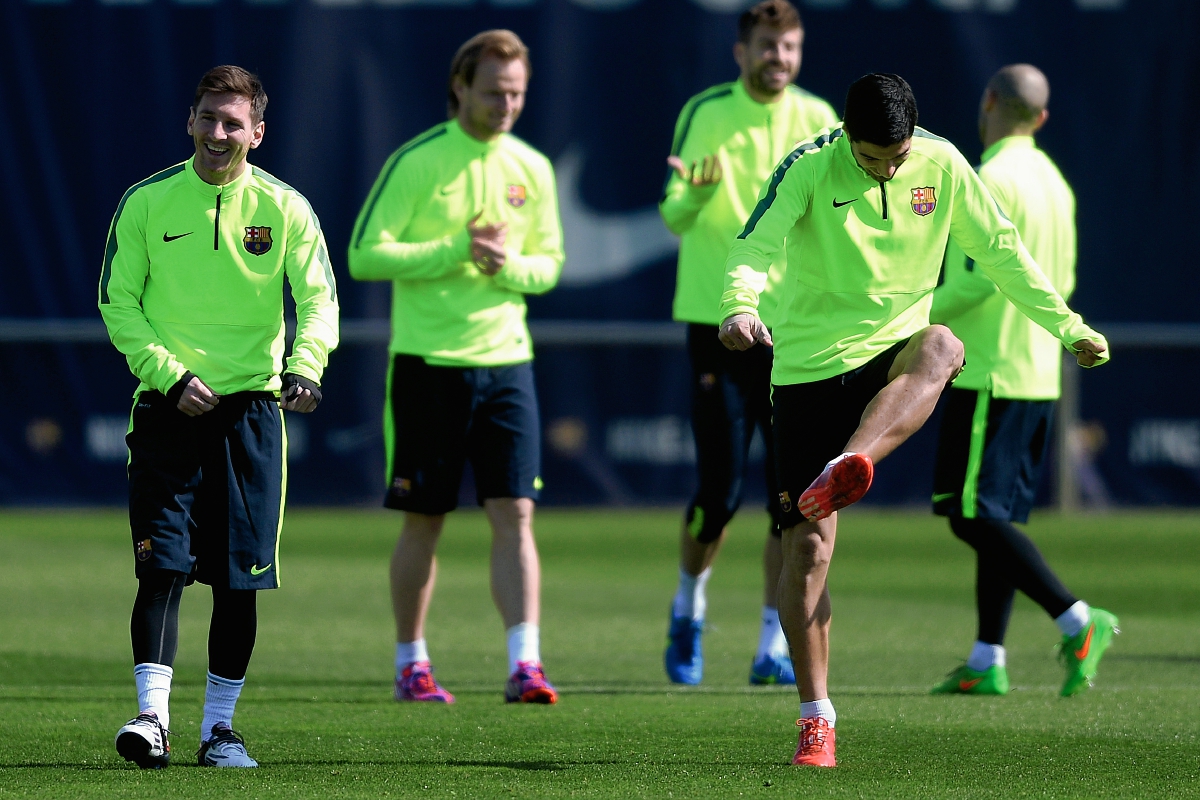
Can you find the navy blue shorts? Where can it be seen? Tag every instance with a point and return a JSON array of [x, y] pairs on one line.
[[731, 396], [206, 493], [814, 421], [436, 418], [990, 455]]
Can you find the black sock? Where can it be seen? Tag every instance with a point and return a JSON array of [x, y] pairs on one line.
[[154, 624], [1008, 559], [231, 632]]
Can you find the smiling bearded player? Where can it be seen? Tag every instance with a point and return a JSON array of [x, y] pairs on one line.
[[191, 291], [858, 368]]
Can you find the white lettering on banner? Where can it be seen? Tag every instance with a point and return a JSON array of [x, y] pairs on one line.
[[105, 437], [650, 440], [1165, 442], [605, 247]]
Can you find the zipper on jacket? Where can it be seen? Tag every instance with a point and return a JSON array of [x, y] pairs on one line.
[[217, 225], [770, 142], [882, 193]]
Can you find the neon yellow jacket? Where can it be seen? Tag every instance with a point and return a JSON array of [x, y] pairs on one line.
[[1006, 352], [864, 257], [749, 138], [192, 281], [412, 230]]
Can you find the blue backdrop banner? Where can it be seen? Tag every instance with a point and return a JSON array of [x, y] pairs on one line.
[[94, 97]]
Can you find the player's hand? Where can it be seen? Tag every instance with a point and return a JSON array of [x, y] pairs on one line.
[[197, 398], [1088, 353], [706, 172], [743, 331], [487, 244], [299, 394]]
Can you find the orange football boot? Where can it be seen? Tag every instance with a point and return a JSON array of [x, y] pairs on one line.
[[843, 481], [817, 743]]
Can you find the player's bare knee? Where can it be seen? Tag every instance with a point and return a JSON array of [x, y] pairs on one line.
[[805, 550], [942, 351]]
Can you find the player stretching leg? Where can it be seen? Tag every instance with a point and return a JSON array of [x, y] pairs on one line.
[[204, 333], [464, 221], [727, 141], [858, 368], [995, 430]]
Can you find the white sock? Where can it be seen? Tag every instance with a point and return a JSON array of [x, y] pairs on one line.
[[985, 655], [220, 697], [819, 708], [523, 644], [771, 641], [1074, 619], [690, 598], [154, 690], [408, 652]]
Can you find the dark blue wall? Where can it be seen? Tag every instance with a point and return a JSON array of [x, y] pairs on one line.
[[94, 97]]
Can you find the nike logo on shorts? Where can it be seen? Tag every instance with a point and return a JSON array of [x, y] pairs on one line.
[[937, 498], [256, 571]]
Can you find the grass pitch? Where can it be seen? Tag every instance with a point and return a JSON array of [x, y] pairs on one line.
[[318, 715]]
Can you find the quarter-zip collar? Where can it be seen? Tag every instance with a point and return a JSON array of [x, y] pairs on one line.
[[210, 191], [455, 130], [1007, 143]]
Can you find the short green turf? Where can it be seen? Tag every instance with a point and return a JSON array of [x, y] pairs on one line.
[[317, 711]]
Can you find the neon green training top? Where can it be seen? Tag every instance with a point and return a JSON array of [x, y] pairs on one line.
[[864, 257], [192, 281], [1006, 353], [749, 138], [412, 230]]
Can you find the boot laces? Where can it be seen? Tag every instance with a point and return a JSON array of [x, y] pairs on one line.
[[813, 733]]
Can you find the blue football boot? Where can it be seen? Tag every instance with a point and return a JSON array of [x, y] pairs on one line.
[[771, 669], [226, 748], [684, 658]]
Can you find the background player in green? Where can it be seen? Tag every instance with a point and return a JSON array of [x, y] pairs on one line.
[[865, 211], [191, 290], [727, 141], [995, 428], [464, 221]]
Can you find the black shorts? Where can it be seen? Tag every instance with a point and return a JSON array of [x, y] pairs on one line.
[[990, 455], [813, 422], [436, 418], [731, 395], [206, 493]]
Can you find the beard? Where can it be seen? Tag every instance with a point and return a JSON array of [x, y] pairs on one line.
[[760, 82]]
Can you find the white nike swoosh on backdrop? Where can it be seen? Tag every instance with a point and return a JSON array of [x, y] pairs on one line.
[[605, 247]]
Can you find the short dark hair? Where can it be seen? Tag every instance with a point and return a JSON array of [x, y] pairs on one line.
[[235, 80], [499, 43], [880, 110], [777, 14]]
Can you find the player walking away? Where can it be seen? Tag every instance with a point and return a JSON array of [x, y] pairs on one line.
[[858, 368], [994, 432], [464, 221], [727, 141], [192, 293]]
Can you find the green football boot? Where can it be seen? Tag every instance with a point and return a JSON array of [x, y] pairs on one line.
[[1080, 654], [964, 680]]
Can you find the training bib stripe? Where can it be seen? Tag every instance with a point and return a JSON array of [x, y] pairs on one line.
[[110, 249], [386, 175], [723, 90], [322, 250], [780, 171]]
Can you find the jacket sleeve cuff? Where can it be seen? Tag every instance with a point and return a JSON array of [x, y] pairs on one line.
[[176, 390]]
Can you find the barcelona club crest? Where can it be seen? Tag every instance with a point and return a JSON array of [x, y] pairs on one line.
[[924, 201], [142, 549], [258, 240], [516, 195]]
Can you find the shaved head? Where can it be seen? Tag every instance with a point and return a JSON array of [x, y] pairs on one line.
[[1014, 103], [1022, 92]]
